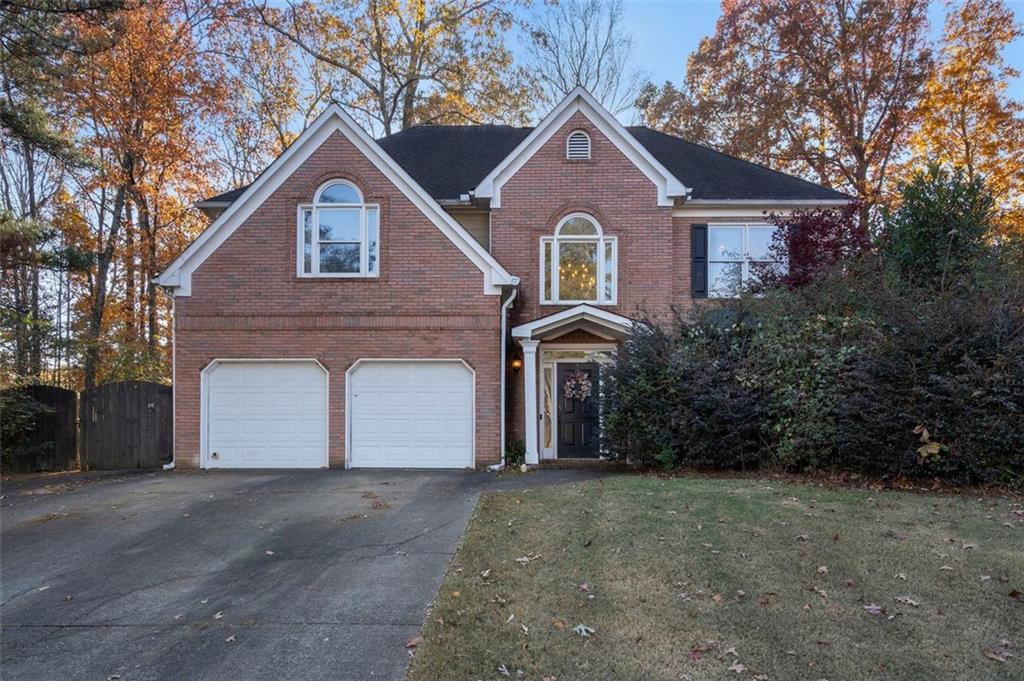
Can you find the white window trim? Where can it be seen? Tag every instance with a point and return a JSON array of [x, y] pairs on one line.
[[364, 242], [601, 241], [744, 258], [568, 142]]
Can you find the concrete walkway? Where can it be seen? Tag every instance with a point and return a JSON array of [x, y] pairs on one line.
[[228, 575]]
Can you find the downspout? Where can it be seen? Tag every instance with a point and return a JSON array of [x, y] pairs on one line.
[[174, 379], [501, 380]]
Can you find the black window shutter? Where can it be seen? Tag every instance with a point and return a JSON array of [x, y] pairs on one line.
[[699, 266]]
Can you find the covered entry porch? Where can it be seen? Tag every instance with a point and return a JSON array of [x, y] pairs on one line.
[[562, 353]]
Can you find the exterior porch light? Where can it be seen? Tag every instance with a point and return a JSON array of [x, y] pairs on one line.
[[517, 363]]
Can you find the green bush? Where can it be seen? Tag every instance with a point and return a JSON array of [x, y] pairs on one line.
[[870, 368]]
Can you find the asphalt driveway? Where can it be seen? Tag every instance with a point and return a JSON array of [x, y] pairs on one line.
[[222, 575]]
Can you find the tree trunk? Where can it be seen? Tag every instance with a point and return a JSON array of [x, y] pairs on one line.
[[104, 256]]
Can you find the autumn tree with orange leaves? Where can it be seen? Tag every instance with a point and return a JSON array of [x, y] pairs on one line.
[[967, 120], [140, 106], [826, 89]]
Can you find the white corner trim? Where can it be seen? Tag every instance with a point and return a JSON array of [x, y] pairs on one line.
[[178, 274], [580, 100], [584, 312]]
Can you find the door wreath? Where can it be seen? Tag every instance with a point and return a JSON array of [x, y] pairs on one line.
[[577, 385]]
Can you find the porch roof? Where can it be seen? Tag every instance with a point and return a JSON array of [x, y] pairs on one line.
[[586, 317]]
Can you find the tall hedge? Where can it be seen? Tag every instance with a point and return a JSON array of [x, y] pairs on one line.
[[870, 367]]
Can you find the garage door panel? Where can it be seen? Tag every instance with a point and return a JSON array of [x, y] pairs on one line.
[[411, 415], [266, 415]]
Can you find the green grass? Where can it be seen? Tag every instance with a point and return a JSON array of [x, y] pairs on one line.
[[686, 577]]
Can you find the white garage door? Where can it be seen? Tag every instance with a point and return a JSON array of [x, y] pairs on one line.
[[266, 415], [411, 415]]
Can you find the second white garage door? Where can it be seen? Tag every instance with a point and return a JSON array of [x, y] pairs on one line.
[[414, 414]]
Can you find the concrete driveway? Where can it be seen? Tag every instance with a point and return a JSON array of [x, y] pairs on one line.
[[222, 575]]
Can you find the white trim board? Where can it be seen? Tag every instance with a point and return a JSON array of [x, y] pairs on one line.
[[603, 318], [579, 100], [178, 274]]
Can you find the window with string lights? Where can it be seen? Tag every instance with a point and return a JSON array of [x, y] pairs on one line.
[[578, 264]]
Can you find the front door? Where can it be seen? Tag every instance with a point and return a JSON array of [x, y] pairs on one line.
[[577, 411]]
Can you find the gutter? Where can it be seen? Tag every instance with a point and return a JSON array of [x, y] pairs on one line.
[[174, 374], [502, 378]]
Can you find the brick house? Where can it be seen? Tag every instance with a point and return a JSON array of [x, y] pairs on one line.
[[423, 299]]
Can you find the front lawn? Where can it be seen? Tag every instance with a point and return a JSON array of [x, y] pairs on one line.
[[715, 579]]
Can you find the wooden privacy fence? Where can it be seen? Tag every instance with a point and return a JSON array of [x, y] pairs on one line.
[[125, 425], [109, 427], [39, 432]]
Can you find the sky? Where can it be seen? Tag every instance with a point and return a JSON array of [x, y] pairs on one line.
[[665, 32]]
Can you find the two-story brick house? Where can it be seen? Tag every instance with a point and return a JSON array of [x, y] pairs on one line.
[[423, 299]]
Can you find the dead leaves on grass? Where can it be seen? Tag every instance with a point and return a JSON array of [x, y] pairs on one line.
[[999, 652], [528, 558]]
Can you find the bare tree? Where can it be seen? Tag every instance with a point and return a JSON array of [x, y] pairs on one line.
[[583, 42]]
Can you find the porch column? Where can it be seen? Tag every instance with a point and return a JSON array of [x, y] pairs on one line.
[[530, 400]]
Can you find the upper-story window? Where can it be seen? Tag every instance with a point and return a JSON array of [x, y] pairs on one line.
[[578, 263], [734, 251], [339, 234], [577, 146]]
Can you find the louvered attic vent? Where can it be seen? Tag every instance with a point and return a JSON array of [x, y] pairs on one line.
[[577, 146]]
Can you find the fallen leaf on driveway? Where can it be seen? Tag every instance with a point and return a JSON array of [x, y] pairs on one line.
[[1017, 594], [230, 639], [874, 609], [270, 553], [219, 615], [737, 667], [968, 547], [907, 600], [803, 537], [946, 567], [414, 641], [486, 573], [43, 588], [823, 570], [583, 630], [999, 652], [527, 558]]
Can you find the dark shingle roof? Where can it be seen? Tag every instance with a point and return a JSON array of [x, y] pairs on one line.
[[714, 175], [450, 160], [226, 197]]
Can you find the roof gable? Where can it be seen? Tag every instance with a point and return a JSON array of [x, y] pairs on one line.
[[178, 274], [579, 100]]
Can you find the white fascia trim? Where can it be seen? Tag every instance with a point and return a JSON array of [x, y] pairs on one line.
[[604, 318], [334, 118], [669, 187], [748, 208]]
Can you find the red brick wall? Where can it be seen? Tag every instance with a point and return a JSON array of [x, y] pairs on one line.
[[609, 187], [247, 301]]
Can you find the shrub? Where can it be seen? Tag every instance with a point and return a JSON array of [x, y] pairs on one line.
[[859, 370], [515, 453]]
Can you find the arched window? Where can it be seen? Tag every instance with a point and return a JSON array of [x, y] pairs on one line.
[[577, 146], [578, 263], [339, 234]]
